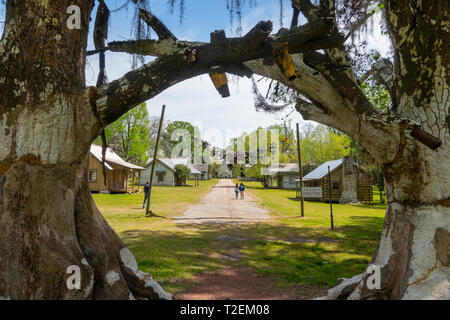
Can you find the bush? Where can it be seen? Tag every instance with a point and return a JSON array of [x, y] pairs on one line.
[[182, 172]]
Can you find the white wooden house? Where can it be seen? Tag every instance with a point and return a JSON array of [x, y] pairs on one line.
[[164, 175]]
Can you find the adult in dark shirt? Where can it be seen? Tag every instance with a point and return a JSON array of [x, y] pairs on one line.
[[146, 190]]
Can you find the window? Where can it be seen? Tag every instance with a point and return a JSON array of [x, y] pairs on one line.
[[160, 176], [92, 175], [335, 185]]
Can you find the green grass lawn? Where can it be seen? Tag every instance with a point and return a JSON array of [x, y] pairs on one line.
[[175, 253], [357, 229], [124, 211]]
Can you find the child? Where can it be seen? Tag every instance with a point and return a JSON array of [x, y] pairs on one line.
[[241, 190]]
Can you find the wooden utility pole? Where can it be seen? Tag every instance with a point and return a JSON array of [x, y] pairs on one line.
[[331, 202], [300, 171], [148, 212]]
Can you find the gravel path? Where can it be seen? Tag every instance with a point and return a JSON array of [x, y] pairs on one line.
[[220, 206]]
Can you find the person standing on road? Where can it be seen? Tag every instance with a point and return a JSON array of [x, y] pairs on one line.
[[236, 190], [242, 190], [146, 190]]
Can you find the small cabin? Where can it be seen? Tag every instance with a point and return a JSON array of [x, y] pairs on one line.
[[164, 175], [349, 182], [121, 176], [285, 175], [205, 173]]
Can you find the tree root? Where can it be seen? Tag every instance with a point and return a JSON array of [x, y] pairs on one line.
[[116, 272], [343, 289]]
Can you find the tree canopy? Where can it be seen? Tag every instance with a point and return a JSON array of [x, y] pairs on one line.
[[130, 135]]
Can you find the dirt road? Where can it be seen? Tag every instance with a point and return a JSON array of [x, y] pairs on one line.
[[236, 281], [220, 206]]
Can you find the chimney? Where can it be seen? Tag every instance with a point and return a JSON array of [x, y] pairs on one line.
[[349, 186]]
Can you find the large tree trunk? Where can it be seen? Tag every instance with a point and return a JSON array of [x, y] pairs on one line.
[[48, 220], [413, 255], [414, 251]]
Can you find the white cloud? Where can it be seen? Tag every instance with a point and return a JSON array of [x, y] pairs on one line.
[[197, 101]]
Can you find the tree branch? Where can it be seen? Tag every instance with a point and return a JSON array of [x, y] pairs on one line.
[[145, 47], [310, 11], [341, 81], [180, 60], [161, 30], [382, 72], [295, 14], [333, 108], [255, 44]]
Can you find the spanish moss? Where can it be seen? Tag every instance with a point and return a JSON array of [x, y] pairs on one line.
[[261, 104]]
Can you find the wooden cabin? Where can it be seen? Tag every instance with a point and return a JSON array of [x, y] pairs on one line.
[[121, 176], [349, 182], [285, 175], [164, 175], [205, 173]]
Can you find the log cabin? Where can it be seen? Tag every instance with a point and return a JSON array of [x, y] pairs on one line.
[[121, 176], [350, 183]]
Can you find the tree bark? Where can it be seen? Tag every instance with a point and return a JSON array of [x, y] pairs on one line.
[[48, 220]]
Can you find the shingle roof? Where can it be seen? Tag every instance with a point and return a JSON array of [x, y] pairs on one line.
[[322, 170], [111, 158]]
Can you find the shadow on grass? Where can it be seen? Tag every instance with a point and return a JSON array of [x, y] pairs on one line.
[[371, 206], [175, 256]]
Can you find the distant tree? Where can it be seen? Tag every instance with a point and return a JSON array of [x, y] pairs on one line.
[[307, 168], [215, 169], [288, 142], [307, 129], [153, 128], [238, 171], [283, 151], [130, 135], [196, 142], [182, 173], [323, 145]]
